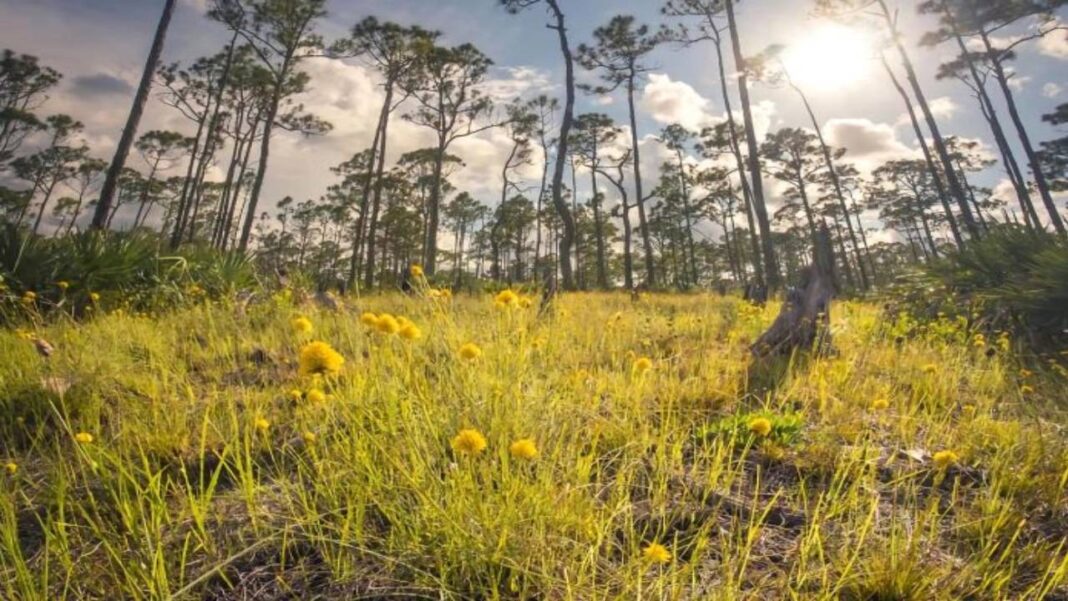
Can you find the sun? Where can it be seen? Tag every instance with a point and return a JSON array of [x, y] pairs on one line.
[[830, 57]]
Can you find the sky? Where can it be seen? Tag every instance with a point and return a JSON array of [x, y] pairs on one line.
[[100, 47]]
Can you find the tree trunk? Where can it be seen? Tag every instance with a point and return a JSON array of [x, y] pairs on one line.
[[736, 150], [992, 119], [44, 205], [955, 188], [238, 184], [376, 204], [566, 218], [804, 321], [265, 151], [771, 269], [107, 192], [936, 177], [598, 226], [361, 219], [837, 183], [643, 223], [689, 219], [1025, 140]]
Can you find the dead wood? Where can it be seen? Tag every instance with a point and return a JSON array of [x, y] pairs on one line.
[[805, 318]]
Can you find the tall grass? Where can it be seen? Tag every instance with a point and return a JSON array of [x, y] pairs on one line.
[[208, 478]]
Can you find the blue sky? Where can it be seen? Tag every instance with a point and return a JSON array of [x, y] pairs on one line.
[[100, 44]]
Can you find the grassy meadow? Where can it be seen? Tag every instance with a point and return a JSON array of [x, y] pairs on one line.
[[472, 448]]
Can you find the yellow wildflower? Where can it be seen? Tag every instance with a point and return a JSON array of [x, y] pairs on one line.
[[416, 271], [29, 297], [656, 553], [930, 368], [470, 351], [320, 358], [94, 296], [524, 448], [642, 365], [944, 459], [506, 298], [761, 426], [1026, 389], [62, 284], [880, 404], [262, 424], [469, 442], [369, 319], [309, 437], [83, 437], [525, 302], [301, 325], [11, 467], [295, 395], [387, 324], [410, 331], [315, 396]]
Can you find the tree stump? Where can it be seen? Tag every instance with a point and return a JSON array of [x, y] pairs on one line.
[[805, 318]]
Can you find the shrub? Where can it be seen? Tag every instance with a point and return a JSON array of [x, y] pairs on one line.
[[1011, 280]]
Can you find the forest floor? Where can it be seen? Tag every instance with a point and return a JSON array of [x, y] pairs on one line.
[[607, 449]]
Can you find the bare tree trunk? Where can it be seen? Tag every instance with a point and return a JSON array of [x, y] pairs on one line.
[[736, 150], [376, 203], [643, 223], [837, 183], [1025, 140], [955, 188], [598, 225], [936, 177], [265, 151], [566, 218], [804, 321], [771, 269], [111, 180], [992, 119]]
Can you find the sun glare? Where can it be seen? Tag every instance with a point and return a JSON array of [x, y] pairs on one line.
[[830, 57]]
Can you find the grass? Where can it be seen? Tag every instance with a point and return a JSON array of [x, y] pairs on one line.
[[208, 477]]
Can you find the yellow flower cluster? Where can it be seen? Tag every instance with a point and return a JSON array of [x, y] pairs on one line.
[[506, 298], [388, 325], [761, 426], [944, 459], [416, 271], [319, 358], [470, 351], [442, 294], [642, 365], [301, 325], [469, 441], [656, 553]]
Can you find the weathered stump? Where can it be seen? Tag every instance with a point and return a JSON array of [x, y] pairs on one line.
[[805, 318]]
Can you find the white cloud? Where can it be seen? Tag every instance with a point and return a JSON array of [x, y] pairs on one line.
[[200, 6], [1051, 90], [868, 143], [517, 82], [1055, 45], [670, 101], [943, 106]]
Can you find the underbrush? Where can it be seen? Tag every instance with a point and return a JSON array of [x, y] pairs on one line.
[[1012, 280], [473, 448], [42, 278]]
